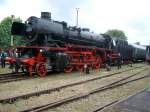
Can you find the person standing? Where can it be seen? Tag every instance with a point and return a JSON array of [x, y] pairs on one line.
[[3, 59], [119, 61], [108, 62], [86, 69]]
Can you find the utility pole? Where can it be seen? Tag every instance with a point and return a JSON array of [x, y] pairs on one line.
[[12, 38], [77, 9]]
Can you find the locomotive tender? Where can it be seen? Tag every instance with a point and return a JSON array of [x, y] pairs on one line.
[[53, 45]]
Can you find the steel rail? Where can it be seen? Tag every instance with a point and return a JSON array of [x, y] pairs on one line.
[[106, 106]]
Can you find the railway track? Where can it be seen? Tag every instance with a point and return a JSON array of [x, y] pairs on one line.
[[9, 77], [115, 102], [37, 93], [115, 84], [106, 106]]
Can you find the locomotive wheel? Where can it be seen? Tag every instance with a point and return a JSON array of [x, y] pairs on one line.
[[96, 66], [41, 69], [79, 68], [68, 69]]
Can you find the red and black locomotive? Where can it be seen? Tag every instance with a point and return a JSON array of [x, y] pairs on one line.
[[53, 45]]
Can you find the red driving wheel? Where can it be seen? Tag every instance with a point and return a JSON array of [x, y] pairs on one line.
[[41, 69], [68, 69], [97, 66], [79, 68]]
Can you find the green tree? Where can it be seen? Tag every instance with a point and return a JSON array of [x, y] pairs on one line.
[[114, 33], [5, 32]]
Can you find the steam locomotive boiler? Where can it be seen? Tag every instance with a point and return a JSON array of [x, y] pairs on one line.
[[44, 31], [56, 46]]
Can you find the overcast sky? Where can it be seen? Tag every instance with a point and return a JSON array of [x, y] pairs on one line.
[[131, 16]]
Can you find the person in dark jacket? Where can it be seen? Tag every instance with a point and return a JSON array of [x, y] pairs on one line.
[[86, 69], [108, 62], [119, 61], [3, 59]]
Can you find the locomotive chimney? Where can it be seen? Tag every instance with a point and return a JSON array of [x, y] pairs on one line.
[[46, 15]]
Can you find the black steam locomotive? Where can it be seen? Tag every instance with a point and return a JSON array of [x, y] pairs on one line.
[[90, 48], [47, 32]]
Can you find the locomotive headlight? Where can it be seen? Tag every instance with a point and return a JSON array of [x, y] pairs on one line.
[[41, 50]]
